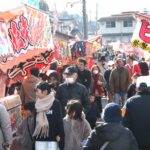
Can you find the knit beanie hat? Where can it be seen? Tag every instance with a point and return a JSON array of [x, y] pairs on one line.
[[112, 113]]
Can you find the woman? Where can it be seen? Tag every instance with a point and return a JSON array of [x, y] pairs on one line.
[[5, 129], [97, 86], [76, 127], [49, 128]]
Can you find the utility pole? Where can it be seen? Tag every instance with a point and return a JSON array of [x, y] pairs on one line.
[[96, 17], [85, 22]]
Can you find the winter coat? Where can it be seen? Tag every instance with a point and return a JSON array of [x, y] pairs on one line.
[[56, 127], [84, 77], [134, 69], [75, 132], [27, 92], [137, 118], [119, 138], [119, 81], [93, 114], [24, 134], [99, 87], [5, 127], [77, 91]]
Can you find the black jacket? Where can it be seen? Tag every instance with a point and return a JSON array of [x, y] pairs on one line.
[[93, 114], [131, 90], [73, 91], [137, 118], [119, 138], [84, 77], [56, 127]]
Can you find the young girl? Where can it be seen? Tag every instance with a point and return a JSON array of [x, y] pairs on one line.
[[76, 127], [49, 128]]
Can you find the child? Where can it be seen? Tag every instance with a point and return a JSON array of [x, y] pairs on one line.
[[76, 127], [25, 130], [93, 114]]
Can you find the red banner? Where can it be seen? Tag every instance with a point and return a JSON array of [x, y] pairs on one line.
[[25, 40]]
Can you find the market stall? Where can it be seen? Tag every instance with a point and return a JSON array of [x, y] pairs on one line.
[[26, 41]]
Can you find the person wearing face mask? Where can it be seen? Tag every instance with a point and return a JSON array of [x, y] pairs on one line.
[[97, 86], [107, 76], [71, 89]]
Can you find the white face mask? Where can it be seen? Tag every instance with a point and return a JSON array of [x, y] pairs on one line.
[[110, 68], [95, 71], [69, 80]]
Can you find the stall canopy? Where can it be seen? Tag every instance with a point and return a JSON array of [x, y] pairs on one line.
[[141, 36], [25, 40]]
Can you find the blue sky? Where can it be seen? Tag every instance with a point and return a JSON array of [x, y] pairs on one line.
[[105, 7]]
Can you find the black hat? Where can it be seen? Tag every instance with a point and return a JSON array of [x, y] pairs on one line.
[[70, 70]]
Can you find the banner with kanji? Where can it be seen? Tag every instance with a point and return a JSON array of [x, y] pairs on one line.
[[25, 40], [141, 36]]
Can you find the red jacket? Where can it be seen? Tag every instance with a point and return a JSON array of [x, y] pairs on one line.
[[133, 69]]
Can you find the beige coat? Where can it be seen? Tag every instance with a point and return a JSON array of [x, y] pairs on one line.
[[75, 132]]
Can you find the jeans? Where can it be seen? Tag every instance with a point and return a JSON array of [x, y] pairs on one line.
[[40, 145], [120, 96]]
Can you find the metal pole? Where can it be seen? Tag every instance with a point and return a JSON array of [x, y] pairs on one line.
[[85, 23]]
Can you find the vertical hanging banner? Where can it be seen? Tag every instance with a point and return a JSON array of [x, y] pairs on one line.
[[25, 40], [141, 36]]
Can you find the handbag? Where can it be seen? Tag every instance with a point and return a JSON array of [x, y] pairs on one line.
[[104, 145]]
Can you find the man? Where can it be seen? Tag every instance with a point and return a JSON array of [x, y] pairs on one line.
[[119, 82], [133, 68], [27, 92], [107, 76], [84, 75], [71, 89], [137, 113]]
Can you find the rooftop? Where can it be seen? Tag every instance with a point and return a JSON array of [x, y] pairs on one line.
[[122, 16]]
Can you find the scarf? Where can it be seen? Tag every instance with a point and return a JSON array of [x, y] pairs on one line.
[[96, 87], [42, 106]]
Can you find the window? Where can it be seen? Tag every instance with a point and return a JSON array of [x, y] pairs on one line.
[[110, 24], [127, 23]]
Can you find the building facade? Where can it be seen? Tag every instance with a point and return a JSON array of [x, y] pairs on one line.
[[118, 27]]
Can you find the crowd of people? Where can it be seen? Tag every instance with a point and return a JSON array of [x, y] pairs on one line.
[[64, 108]]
